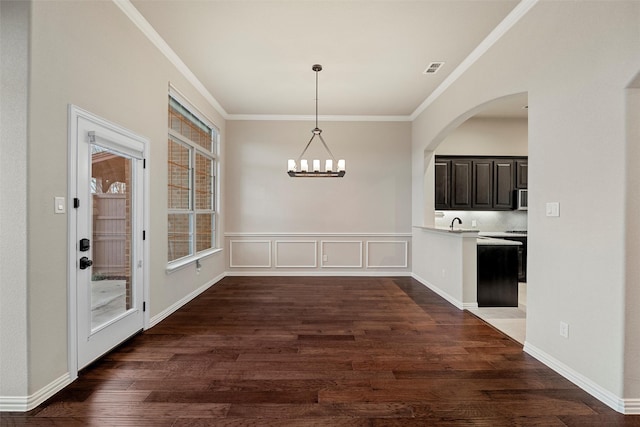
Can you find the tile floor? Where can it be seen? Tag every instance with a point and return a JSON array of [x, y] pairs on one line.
[[509, 320]]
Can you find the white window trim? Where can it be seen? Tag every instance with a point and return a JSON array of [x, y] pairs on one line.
[[183, 262], [213, 155]]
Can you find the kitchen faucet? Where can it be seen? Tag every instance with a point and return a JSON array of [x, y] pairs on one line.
[[454, 220]]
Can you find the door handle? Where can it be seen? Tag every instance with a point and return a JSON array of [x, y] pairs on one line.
[[85, 263]]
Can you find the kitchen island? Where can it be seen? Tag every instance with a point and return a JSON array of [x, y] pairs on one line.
[[497, 277], [518, 236]]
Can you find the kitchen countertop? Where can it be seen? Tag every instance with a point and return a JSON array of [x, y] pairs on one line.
[[488, 241], [483, 238], [456, 231], [500, 234]]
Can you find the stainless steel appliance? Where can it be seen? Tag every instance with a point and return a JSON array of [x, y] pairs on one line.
[[523, 200]]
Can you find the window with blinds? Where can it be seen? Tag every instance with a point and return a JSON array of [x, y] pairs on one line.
[[191, 183]]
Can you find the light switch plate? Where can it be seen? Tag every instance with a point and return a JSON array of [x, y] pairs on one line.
[[59, 206], [553, 209], [564, 329]]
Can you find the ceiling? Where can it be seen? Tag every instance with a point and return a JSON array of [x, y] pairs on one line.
[[255, 56]]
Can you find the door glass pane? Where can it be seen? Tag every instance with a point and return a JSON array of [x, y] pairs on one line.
[[111, 244]]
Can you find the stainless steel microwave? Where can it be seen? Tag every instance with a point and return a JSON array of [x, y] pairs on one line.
[[523, 200]]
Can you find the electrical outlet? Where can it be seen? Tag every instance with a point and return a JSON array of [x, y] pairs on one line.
[[564, 329], [444, 272], [325, 258], [474, 223]]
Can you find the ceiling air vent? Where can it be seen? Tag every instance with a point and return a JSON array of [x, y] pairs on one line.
[[433, 67]]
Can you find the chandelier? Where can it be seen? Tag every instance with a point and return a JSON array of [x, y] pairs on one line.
[[300, 167]]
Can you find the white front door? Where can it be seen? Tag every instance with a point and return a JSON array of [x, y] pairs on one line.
[[109, 212]]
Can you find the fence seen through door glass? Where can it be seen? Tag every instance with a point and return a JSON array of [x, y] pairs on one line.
[[111, 190]]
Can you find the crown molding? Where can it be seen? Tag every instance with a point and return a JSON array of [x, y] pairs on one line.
[[143, 25], [500, 30], [309, 118]]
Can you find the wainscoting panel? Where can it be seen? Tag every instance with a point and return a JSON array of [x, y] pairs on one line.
[[318, 254], [387, 254], [341, 254], [296, 253], [250, 253]]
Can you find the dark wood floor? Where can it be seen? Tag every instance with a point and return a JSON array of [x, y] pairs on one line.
[[293, 351]]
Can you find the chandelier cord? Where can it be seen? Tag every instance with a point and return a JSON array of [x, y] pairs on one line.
[[317, 71]]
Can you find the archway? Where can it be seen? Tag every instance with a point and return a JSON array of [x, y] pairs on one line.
[[493, 129]]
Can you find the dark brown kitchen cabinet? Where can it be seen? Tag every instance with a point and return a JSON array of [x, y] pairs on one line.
[[522, 250], [482, 193], [522, 257], [503, 192], [478, 183], [522, 172], [497, 276], [461, 181], [443, 183]]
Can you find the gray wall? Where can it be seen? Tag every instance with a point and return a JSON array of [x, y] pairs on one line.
[[14, 43], [487, 137], [632, 266], [373, 196]]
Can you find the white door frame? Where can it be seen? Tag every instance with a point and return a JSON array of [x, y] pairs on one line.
[[74, 114]]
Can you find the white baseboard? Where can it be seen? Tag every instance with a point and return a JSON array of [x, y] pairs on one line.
[[323, 273], [631, 406], [175, 306], [624, 406], [27, 403], [454, 301], [470, 306]]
